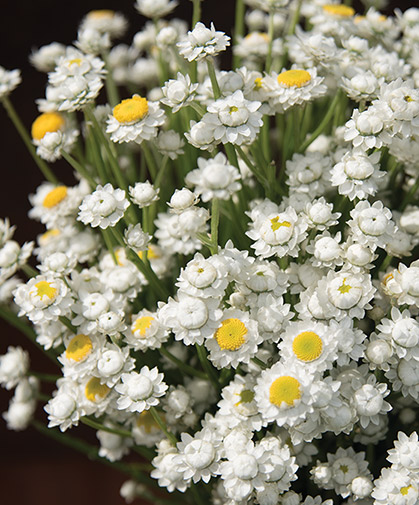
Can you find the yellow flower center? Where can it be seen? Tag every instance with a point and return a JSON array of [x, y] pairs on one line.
[[45, 123], [230, 335], [344, 288], [150, 254], [95, 391], [258, 83], [142, 324], [55, 196], [295, 77], [405, 489], [387, 278], [44, 288], [75, 61], [307, 346], [344, 468], [276, 223], [339, 10], [408, 98], [79, 348], [246, 396], [131, 110], [263, 35], [101, 14], [48, 234], [233, 108], [284, 389], [145, 420]]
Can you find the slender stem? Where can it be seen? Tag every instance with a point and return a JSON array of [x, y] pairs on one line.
[[295, 18], [45, 377], [197, 108], [215, 219], [183, 366], [27, 330], [66, 322], [271, 27], [196, 14], [386, 262], [162, 425], [238, 29], [47, 172], [209, 369], [111, 88], [198, 499], [322, 126], [29, 271], [107, 238], [99, 426], [213, 77], [259, 363], [161, 172], [151, 164], [78, 167], [231, 154]]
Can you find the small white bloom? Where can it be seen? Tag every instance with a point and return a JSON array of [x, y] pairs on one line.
[[155, 8], [104, 207], [202, 42], [170, 144], [9, 80], [136, 238], [143, 194], [14, 365], [178, 92]]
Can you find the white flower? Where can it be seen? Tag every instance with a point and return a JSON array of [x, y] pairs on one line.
[[405, 453], [215, 178], [92, 41], [12, 257], [104, 207], [398, 487], [136, 238], [308, 173], [105, 21], [364, 128], [140, 391], [143, 194], [170, 144], [155, 8], [112, 447], [14, 365], [181, 200], [178, 92], [146, 331], [364, 85], [233, 119], [202, 42], [63, 408], [134, 120], [45, 58], [9, 80]]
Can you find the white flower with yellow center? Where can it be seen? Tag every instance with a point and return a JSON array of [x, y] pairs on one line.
[[140, 391], [398, 487], [9, 80], [235, 340], [283, 394], [277, 233], [204, 277], [145, 331], [134, 120], [155, 8], [238, 406], [215, 178], [310, 344], [261, 278], [292, 87], [202, 42], [405, 453], [96, 397], [145, 430], [76, 64], [81, 355], [104, 207], [190, 319], [105, 21], [43, 298], [56, 206]]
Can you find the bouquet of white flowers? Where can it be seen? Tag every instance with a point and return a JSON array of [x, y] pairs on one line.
[[229, 290]]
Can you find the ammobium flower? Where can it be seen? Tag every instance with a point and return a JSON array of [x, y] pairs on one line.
[[202, 42], [9, 80], [134, 120]]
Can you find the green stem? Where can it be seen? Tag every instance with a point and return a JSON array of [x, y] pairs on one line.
[[196, 14], [78, 167], [386, 262], [163, 426], [410, 195], [295, 18], [206, 365], [322, 126], [259, 363], [45, 377], [27, 330], [215, 220], [161, 172], [99, 426], [271, 27], [111, 88], [238, 29], [213, 77], [66, 322], [29, 271], [47, 172], [197, 108], [198, 499], [183, 366], [151, 164]]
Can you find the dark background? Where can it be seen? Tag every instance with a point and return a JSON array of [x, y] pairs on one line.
[[35, 470]]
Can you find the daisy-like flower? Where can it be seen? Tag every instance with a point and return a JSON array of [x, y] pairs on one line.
[[292, 87], [9, 80], [319, 214], [357, 175], [75, 64], [155, 8], [145, 331], [364, 128], [136, 238], [105, 21], [134, 120], [178, 92], [143, 194], [310, 344], [14, 365], [170, 144], [276, 233], [404, 376], [104, 207], [12, 257], [399, 487], [202, 42], [140, 391], [235, 341], [283, 394], [45, 58], [112, 363], [92, 41], [215, 178], [233, 119], [405, 453], [308, 173], [81, 355], [64, 409]]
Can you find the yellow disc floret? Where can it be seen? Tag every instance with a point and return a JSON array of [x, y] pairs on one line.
[[44, 288], [101, 14], [405, 489], [344, 288], [294, 77], [79, 348], [146, 420], [246, 396], [55, 196], [151, 253], [230, 335], [46, 123], [284, 389], [339, 10], [258, 83], [95, 391], [142, 324], [307, 346], [131, 110], [276, 223]]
